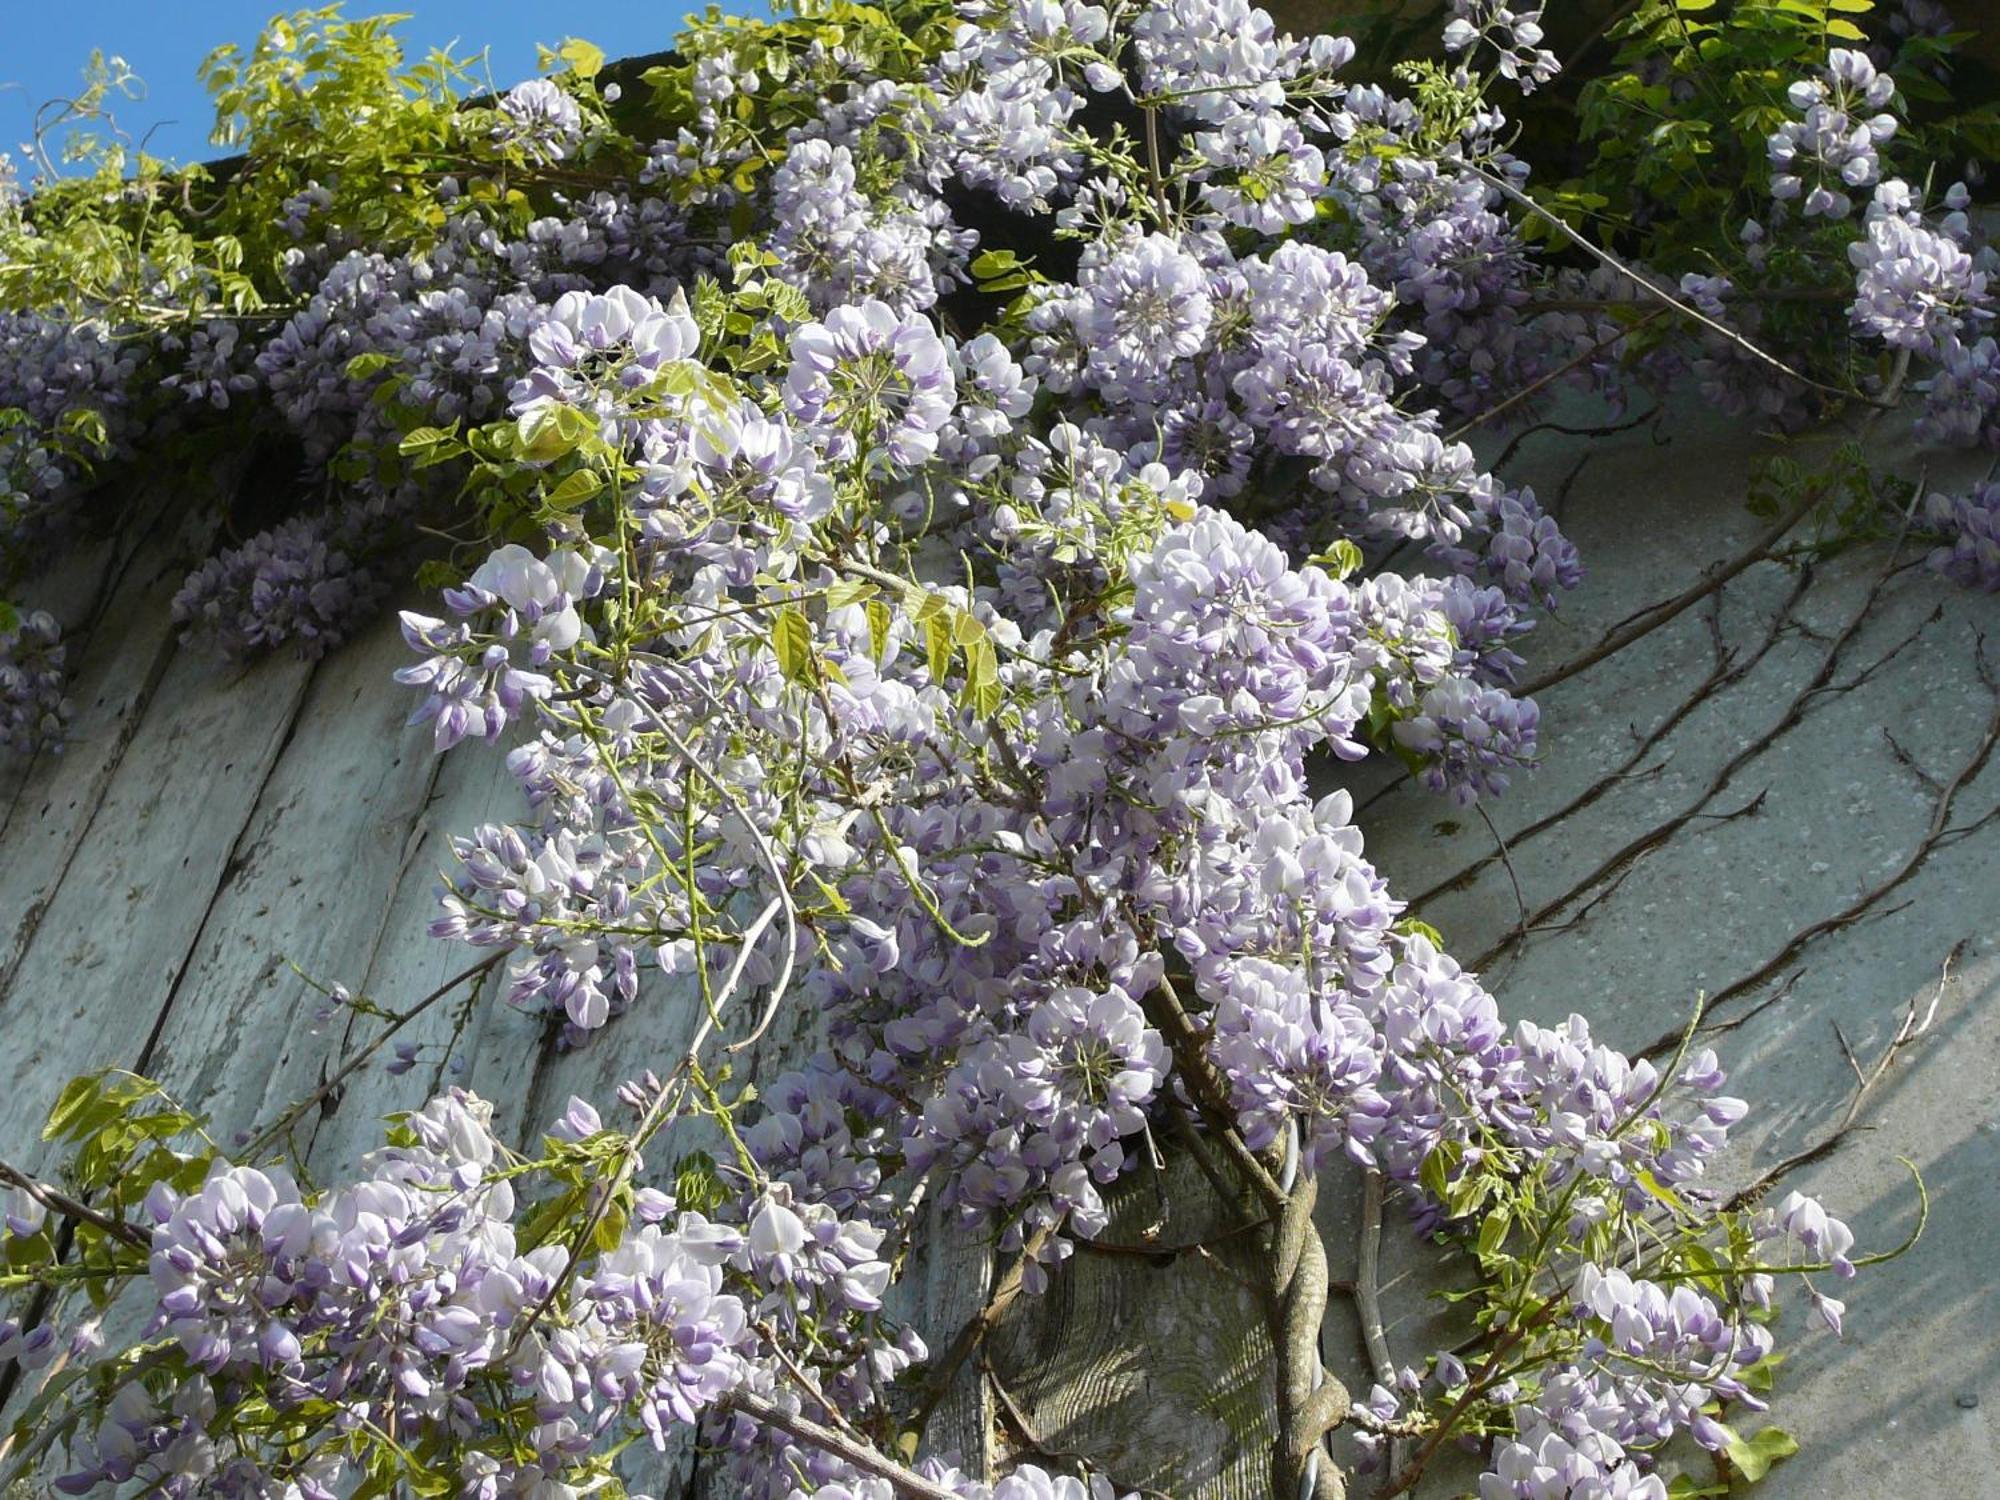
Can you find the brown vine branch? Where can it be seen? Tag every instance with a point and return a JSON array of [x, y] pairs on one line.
[[1367, 1282], [1912, 1026], [974, 1331], [1514, 443], [1368, 1305], [1472, 424], [275, 1131], [805, 1382], [1660, 294], [1403, 1479], [1936, 833], [1035, 1443], [1206, 1087], [1726, 673], [58, 1202], [863, 1456], [1801, 702], [1776, 294], [1311, 1401], [1654, 616]]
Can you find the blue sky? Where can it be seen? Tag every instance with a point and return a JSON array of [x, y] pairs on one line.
[[45, 43]]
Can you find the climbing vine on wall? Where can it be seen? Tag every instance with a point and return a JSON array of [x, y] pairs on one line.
[[931, 498]]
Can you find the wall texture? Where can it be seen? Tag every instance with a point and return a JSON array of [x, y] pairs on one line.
[[1778, 799]]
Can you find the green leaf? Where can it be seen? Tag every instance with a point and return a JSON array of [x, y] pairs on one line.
[[431, 446], [1493, 1230], [1762, 1375], [1847, 31], [552, 432], [610, 1228], [1753, 1458], [1411, 927], [698, 1186], [982, 677], [1660, 1190], [575, 489], [1341, 559], [10, 617], [1435, 1174], [791, 639], [78, 1095], [849, 591], [584, 59], [879, 620], [937, 644]]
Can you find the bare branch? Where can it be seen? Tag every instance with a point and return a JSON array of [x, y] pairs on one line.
[[1913, 1026], [58, 1202]]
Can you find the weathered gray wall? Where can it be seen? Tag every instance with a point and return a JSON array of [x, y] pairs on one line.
[[1119, 1365], [211, 825]]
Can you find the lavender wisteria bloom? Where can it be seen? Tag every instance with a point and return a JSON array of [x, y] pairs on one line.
[[1291, 1054], [1515, 36], [597, 351], [301, 583], [1820, 159], [663, 1336], [1143, 307], [513, 602], [1968, 526], [34, 680], [1267, 176], [541, 119], [1914, 287], [872, 383], [1039, 1119]]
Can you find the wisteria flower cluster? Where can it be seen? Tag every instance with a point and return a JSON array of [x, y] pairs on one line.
[[1968, 526], [34, 706], [1830, 150]]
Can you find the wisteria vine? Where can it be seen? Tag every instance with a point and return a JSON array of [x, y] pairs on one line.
[[930, 498]]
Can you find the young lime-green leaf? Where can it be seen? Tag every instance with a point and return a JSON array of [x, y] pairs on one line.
[[1341, 559], [574, 490], [78, 1095], [982, 677], [1659, 1190], [849, 591], [879, 620], [1762, 1375], [584, 59], [791, 640], [1412, 927], [430, 445], [1435, 1174], [1754, 1457], [938, 646], [550, 432]]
